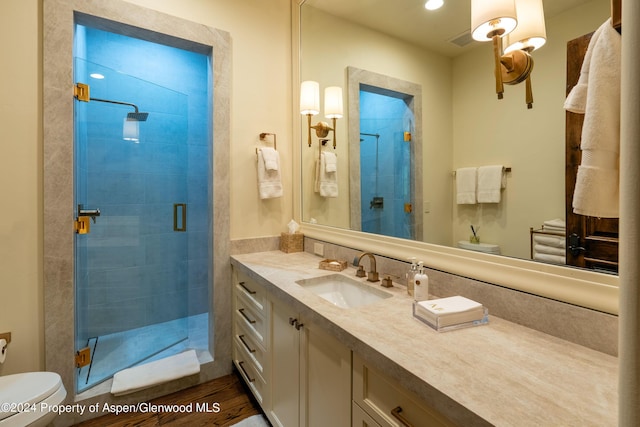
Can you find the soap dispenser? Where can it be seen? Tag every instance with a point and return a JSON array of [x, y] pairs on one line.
[[421, 291], [411, 274]]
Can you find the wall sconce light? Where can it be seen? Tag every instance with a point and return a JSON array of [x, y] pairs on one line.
[[521, 22], [310, 106]]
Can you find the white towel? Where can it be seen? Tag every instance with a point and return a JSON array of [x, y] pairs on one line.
[[271, 158], [491, 180], [466, 186], [550, 250], [555, 224], [597, 95], [555, 259], [269, 182], [326, 182], [551, 241], [160, 371], [330, 161]]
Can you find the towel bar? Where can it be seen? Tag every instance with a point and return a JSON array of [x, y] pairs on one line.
[[507, 169]]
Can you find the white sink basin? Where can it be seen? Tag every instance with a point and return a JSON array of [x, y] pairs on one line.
[[343, 291]]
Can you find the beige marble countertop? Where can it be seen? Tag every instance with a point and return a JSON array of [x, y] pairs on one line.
[[499, 374]]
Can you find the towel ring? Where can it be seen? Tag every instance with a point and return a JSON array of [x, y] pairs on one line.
[[263, 137]]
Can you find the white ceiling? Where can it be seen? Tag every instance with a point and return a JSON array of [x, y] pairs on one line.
[[409, 20]]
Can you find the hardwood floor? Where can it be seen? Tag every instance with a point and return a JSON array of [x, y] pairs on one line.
[[228, 393]]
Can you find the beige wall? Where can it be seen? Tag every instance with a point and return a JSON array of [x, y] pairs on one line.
[[261, 93]]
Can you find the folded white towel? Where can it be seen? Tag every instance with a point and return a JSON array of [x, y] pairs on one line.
[[553, 241], [557, 223], [544, 249], [555, 259], [160, 371], [466, 186], [491, 180], [269, 182], [597, 95], [271, 158], [330, 161], [326, 182]]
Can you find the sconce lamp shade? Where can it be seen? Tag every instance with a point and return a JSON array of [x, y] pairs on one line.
[[530, 34], [333, 102], [131, 130], [309, 97], [492, 17]]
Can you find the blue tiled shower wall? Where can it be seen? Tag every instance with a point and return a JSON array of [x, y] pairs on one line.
[[133, 269], [386, 168]]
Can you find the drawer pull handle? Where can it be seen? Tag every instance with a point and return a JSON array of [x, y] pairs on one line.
[[247, 290], [396, 414], [251, 350], [294, 322], [241, 310], [246, 374]]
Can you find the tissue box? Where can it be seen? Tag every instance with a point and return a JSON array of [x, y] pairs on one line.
[[290, 243]]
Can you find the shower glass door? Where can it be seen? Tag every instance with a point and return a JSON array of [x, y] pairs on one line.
[[132, 267]]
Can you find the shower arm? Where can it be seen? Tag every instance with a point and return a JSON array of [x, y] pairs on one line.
[[115, 102], [81, 93]]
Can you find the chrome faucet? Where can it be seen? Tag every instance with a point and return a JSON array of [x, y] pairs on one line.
[[372, 276]]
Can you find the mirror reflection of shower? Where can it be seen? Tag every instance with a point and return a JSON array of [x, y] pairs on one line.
[[385, 162], [131, 125]]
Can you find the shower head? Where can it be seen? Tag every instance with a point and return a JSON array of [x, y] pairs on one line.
[[137, 116]]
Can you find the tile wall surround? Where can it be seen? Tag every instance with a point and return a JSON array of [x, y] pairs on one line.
[[579, 325], [57, 74]]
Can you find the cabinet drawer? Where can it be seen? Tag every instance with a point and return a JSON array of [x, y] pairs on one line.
[[359, 418], [253, 320], [250, 290], [249, 347], [255, 382], [387, 402]]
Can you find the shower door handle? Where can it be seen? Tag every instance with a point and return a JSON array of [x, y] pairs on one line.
[[91, 213], [179, 217]]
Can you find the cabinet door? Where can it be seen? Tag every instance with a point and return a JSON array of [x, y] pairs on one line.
[[285, 350], [325, 379]]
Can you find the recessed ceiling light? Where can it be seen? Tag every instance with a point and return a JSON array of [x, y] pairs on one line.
[[433, 4], [96, 76]]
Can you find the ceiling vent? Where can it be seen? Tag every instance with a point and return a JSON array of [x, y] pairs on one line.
[[461, 40]]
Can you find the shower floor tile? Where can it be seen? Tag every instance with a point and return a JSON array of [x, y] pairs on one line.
[[114, 352]]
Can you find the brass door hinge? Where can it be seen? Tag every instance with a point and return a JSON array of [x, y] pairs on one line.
[[81, 92], [408, 208], [82, 225], [83, 357]]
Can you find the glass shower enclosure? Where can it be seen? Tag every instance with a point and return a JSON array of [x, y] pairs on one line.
[[136, 184]]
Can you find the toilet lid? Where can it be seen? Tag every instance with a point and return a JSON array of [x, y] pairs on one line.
[[30, 387]]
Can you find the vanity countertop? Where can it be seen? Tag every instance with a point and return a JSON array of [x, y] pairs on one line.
[[499, 374]]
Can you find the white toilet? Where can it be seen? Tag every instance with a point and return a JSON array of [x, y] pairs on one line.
[[37, 391], [487, 248]]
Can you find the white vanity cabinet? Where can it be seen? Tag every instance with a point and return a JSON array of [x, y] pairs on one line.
[[300, 375], [313, 372], [250, 334], [380, 401]]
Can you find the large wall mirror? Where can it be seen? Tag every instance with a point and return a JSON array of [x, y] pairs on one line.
[[460, 123]]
